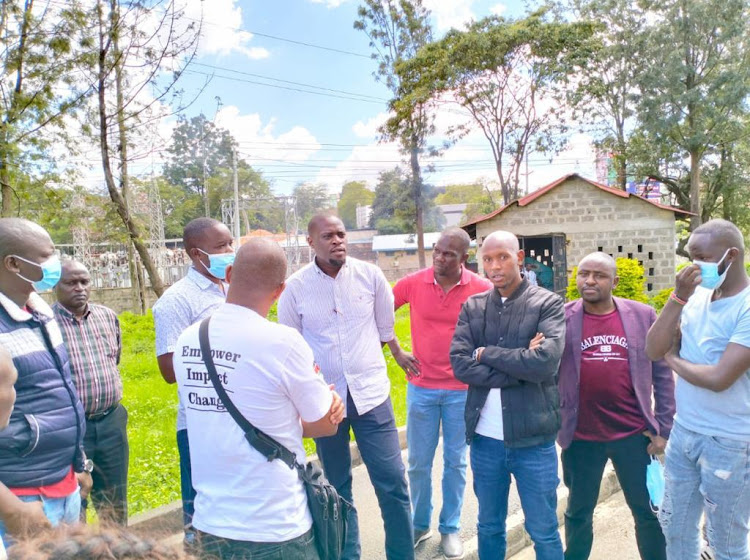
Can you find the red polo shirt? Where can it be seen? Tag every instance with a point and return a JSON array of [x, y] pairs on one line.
[[434, 315]]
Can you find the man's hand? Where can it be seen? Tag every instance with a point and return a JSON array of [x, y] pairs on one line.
[[658, 444], [687, 280], [26, 518], [85, 482], [336, 414], [536, 342], [408, 363]]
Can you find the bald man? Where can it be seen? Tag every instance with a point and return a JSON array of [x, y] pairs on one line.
[[507, 348], [617, 405], [92, 337], [246, 506], [707, 465], [209, 245], [41, 450]]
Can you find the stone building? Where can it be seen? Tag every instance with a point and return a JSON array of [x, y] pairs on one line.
[[564, 221]]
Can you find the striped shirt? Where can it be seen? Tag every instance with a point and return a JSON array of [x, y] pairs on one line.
[[94, 344], [344, 320]]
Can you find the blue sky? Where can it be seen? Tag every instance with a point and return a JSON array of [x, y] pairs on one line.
[[325, 136]]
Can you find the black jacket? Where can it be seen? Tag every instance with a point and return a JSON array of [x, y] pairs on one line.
[[528, 378]]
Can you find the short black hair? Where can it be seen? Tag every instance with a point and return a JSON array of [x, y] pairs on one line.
[[16, 234], [195, 229], [722, 230]]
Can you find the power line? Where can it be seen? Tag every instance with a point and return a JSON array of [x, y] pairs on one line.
[[224, 69], [350, 98]]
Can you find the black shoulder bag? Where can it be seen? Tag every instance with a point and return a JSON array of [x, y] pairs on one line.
[[329, 511]]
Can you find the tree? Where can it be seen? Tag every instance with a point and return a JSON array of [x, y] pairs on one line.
[[311, 199], [606, 88], [40, 86], [506, 74], [393, 205], [397, 29], [198, 149], [697, 81], [135, 46], [353, 194]]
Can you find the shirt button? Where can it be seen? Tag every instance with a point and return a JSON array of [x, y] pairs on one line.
[[501, 338]]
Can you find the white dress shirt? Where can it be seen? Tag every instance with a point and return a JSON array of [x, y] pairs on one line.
[[345, 320]]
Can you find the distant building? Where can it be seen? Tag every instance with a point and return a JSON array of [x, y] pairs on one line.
[[452, 213], [559, 224], [364, 213]]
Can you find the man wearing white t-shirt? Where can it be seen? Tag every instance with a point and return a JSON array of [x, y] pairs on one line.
[[245, 505]]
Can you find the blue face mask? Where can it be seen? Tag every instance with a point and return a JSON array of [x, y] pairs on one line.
[[218, 264], [655, 482], [710, 277], [51, 272]]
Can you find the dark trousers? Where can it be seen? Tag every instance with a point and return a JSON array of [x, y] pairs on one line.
[[218, 548], [583, 465], [377, 439], [186, 479], [106, 444]]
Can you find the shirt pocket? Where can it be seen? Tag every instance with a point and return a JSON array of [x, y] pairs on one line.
[[108, 343], [361, 304]]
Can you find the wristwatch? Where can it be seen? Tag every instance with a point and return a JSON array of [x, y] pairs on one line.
[[475, 354], [88, 466]]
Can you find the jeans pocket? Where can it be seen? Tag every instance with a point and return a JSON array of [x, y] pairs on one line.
[[730, 444]]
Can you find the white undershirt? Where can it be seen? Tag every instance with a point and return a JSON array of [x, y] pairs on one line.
[[491, 416]]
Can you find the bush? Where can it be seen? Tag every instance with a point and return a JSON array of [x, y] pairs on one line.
[[660, 299], [632, 284]]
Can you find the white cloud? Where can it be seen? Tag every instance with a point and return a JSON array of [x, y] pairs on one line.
[[450, 13], [221, 31], [329, 3], [369, 129], [498, 9], [259, 143]]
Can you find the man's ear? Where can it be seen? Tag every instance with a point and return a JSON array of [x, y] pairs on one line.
[[615, 281], [11, 264], [228, 273], [277, 292], [521, 256]]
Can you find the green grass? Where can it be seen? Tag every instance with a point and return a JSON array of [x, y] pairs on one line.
[[154, 477]]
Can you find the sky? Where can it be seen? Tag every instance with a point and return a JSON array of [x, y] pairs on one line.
[[292, 80]]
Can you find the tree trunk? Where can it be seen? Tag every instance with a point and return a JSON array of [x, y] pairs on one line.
[[695, 189], [416, 178], [117, 198], [6, 191]]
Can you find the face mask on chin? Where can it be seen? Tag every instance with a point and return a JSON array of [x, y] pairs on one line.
[[51, 272], [710, 277], [218, 264]]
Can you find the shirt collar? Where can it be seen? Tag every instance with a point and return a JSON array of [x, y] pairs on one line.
[[61, 309], [34, 303], [319, 270], [201, 281], [429, 276]]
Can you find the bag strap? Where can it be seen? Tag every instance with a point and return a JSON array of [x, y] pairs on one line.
[[262, 442]]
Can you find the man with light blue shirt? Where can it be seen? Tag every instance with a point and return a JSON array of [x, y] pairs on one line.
[[343, 307], [708, 455], [208, 243]]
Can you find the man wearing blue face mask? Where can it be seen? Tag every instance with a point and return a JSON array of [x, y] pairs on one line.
[[41, 451], [708, 455], [208, 243]]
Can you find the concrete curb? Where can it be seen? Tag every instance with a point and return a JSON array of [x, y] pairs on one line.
[[167, 519]]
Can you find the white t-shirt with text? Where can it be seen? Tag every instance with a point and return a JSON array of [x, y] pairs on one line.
[[269, 374]]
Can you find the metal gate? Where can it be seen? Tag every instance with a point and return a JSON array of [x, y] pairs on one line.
[[560, 264]]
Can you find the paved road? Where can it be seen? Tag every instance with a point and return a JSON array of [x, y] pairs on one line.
[[614, 534]]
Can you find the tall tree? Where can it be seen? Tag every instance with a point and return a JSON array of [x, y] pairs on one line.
[[507, 75], [604, 91], [137, 45], [40, 85], [353, 194], [397, 29], [197, 150], [311, 198], [393, 207], [697, 80]]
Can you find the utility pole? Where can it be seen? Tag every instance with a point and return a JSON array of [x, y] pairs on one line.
[[236, 199]]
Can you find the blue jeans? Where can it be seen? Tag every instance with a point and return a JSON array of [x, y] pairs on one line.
[[535, 471], [186, 479], [426, 410], [65, 510], [377, 439], [712, 475]]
